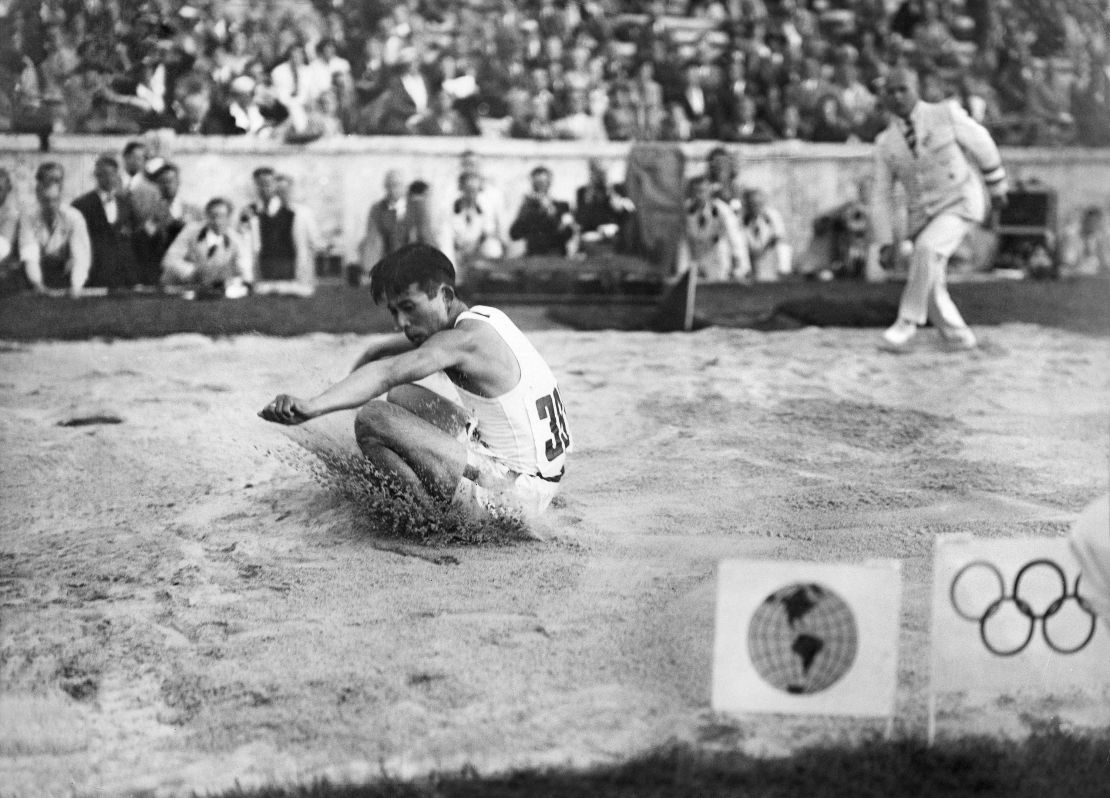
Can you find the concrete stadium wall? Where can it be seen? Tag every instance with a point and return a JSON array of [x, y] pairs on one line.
[[340, 178]]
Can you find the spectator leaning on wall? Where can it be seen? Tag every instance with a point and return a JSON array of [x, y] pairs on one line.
[[53, 239], [111, 220]]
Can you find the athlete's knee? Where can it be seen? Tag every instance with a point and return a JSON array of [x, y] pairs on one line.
[[373, 422]]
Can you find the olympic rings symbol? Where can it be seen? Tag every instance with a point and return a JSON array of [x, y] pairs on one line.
[[1024, 607]]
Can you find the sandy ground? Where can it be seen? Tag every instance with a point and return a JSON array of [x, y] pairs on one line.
[[184, 608]]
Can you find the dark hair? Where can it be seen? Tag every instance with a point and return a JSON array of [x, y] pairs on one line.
[[49, 172], [540, 169], [134, 145], [418, 188], [164, 168], [212, 203], [413, 263], [108, 160], [263, 171]]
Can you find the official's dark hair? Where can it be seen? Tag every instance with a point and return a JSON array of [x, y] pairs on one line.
[[413, 263], [165, 169], [263, 171], [49, 172], [215, 201], [134, 145]]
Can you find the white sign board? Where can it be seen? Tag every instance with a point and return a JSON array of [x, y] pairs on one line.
[[807, 638], [1009, 615]]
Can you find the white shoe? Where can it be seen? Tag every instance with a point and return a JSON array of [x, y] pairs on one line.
[[960, 338], [898, 336]]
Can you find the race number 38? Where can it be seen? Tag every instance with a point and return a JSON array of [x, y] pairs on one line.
[[550, 408]]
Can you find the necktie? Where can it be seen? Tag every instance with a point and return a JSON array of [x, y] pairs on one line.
[[911, 136], [703, 221]]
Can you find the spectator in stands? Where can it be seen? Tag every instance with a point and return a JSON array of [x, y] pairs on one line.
[[1085, 246], [769, 249], [620, 117], [601, 212], [545, 224], [857, 102], [475, 225], [713, 243], [209, 255], [441, 118], [321, 120], [648, 102], [830, 123], [579, 124], [53, 240], [297, 86], [700, 107], [386, 224], [280, 239], [193, 114], [532, 119], [111, 222], [264, 96], [165, 219], [242, 115], [406, 96]]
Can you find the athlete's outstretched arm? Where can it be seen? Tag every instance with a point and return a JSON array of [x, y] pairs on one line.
[[387, 346], [443, 350]]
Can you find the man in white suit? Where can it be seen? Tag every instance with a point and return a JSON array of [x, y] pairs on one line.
[[930, 149]]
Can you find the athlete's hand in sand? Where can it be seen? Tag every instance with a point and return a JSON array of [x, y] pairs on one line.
[[286, 409]]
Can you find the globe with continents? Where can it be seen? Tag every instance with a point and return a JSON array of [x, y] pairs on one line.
[[802, 638]]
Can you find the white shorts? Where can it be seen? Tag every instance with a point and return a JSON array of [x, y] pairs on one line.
[[498, 490]]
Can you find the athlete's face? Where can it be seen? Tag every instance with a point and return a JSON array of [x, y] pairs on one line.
[[418, 315]]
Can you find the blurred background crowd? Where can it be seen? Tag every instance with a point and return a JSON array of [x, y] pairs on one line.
[[1034, 72]]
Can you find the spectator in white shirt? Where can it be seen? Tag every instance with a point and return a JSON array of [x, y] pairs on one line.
[[209, 255], [768, 249], [474, 226], [53, 239], [713, 244]]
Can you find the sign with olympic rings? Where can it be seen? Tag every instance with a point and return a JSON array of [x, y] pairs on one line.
[[1011, 615]]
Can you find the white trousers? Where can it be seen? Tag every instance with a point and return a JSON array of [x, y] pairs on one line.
[[926, 293]]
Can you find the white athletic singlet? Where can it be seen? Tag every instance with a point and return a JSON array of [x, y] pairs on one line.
[[525, 428]]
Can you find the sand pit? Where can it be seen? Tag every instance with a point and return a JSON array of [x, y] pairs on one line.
[[183, 608]]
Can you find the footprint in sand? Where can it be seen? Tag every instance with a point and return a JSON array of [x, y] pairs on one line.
[[90, 420]]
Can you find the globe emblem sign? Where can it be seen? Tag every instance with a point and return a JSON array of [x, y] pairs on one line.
[[802, 638]]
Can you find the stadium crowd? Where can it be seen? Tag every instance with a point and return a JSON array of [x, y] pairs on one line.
[[134, 230], [731, 70]]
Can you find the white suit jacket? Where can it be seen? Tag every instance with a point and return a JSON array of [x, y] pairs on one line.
[[951, 147]]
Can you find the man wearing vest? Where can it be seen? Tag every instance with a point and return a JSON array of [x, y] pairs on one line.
[[111, 221], [281, 240], [501, 448], [929, 148]]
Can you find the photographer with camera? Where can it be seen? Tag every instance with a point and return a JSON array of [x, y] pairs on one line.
[[770, 254]]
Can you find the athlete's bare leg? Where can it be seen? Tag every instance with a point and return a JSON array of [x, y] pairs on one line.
[[415, 435]]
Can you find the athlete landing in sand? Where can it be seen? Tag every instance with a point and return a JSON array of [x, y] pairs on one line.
[[503, 448]]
